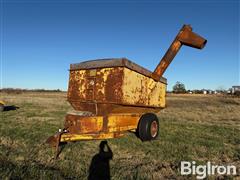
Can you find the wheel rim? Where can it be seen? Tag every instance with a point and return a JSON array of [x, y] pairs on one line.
[[154, 129]]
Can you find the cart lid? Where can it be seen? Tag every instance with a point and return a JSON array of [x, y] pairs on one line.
[[113, 62]]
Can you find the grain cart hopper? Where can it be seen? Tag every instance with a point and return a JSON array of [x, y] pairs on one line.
[[112, 96]]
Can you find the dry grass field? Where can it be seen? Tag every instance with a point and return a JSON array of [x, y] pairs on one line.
[[192, 127]]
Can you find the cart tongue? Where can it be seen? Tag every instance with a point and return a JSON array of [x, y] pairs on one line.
[[53, 140]]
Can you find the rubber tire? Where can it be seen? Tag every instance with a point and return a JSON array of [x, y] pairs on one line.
[[144, 127], [1, 107]]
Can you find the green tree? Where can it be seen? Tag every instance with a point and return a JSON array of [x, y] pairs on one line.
[[179, 88]]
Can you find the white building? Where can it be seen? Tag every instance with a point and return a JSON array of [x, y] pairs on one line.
[[235, 89]]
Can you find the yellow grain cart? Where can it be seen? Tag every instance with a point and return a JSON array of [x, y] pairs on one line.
[[112, 96]]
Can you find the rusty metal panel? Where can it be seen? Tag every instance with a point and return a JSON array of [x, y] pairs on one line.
[[102, 84], [112, 123], [112, 63], [83, 124], [156, 93], [76, 89], [101, 91], [141, 90], [122, 122], [91, 89], [77, 137], [98, 85]]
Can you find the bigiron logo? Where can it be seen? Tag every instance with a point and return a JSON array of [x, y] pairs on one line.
[[202, 171]]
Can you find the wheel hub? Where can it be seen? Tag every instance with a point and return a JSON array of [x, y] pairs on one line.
[[154, 129]]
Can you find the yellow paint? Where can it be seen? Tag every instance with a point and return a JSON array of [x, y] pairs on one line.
[[77, 137], [156, 93], [91, 127], [140, 89], [105, 72], [90, 124], [1, 102], [137, 89], [122, 122], [78, 78], [93, 72]]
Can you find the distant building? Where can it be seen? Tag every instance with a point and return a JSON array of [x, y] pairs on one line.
[[215, 92], [235, 89], [207, 91], [202, 91]]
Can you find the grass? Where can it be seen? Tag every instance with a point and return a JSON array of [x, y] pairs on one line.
[[197, 128]]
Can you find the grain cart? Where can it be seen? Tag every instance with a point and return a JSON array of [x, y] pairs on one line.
[[112, 96]]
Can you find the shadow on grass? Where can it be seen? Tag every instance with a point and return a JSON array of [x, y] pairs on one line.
[[10, 108], [99, 167]]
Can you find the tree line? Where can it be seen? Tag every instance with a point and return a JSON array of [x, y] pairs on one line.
[[19, 90]]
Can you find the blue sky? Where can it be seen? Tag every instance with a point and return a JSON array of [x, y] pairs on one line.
[[40, 39]]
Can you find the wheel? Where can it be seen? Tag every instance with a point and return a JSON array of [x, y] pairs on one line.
[[1, 107], [148, 127]]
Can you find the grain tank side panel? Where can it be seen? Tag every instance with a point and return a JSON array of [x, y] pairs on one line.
[[101, 90], [156, 92], [134, 88], [141, 90], [89, 87], [76, 85], [113, 79]]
